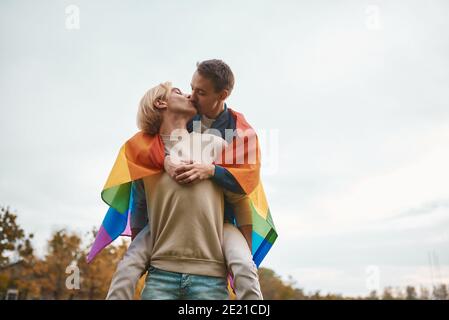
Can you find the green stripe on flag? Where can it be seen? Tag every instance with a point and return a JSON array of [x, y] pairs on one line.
[[118, 197]]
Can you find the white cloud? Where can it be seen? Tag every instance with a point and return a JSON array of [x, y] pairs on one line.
[[371, 201]]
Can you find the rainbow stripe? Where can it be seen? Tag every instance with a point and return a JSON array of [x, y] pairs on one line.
[[248, 176], [139, 157], [143, 156]]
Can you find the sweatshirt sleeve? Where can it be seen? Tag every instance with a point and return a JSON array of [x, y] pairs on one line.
[[242, 207]]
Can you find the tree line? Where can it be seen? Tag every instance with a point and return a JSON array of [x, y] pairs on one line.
[[63, 273]]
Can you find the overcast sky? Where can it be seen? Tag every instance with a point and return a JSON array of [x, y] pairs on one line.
[[352, 97]]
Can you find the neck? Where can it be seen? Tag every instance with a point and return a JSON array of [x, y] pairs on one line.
[[213, 114], [172, 122]]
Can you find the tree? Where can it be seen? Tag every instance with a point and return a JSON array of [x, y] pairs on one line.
[[63, 250], [16, 256], [273, 288], [96, 276], [410, 293], [13, 240], [49, 278], [440, 292], [387, 294], [373, 295]]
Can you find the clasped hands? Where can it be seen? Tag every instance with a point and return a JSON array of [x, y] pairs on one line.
[[188, 172]]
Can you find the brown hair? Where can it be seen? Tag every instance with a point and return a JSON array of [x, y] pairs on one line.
[[218, 72]]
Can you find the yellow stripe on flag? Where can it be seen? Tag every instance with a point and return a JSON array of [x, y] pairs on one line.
[[120, 172], [259, 201]]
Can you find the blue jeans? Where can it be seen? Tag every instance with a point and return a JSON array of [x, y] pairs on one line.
[[166, 285]]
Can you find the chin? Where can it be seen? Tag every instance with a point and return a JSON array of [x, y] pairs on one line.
[[192, 111]]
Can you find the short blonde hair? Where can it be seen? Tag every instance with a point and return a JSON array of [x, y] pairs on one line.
[[149, 118]]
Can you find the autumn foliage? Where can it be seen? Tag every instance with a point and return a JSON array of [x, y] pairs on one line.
[[63, 273]]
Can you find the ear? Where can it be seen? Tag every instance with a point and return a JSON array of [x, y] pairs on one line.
[[160, 104], [224, 94]]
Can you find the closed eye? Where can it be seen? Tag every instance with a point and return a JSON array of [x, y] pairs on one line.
[[198, 91]]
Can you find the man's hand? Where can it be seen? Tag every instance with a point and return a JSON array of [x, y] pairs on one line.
[[193, 173], [170, 166]]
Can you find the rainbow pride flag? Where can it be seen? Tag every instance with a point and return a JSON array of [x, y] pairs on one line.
[[143, 156]]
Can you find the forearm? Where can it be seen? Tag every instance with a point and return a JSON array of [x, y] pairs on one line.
[[247, 231], [241, 206]]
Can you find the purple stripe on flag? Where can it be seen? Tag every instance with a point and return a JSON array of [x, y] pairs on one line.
[[101, 241], [127, 231]]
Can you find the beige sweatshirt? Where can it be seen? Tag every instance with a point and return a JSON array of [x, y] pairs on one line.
[[187, 221]]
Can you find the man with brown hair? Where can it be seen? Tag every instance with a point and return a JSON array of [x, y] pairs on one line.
[[211, 84]]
